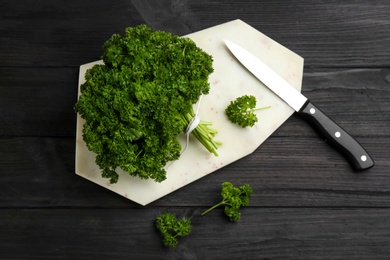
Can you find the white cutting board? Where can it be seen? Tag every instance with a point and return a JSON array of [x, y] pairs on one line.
[[228, 81]]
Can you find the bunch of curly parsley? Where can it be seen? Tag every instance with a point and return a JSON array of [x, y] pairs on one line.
[[140, 100]]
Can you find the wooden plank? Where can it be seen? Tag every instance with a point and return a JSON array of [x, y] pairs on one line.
[[39, 101], [163, 15], [293, 172], [262, 233], [52, 33], [324, 33]]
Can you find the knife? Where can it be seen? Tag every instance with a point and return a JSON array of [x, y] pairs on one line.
[[333, 134]]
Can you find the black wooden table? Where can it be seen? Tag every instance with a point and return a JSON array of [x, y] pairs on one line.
[[307, 202]]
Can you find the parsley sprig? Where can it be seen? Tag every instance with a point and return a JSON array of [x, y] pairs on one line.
[[171, 228], [242, 111], [233, 198]]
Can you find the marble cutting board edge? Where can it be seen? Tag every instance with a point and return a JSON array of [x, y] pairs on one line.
[[228, 81]]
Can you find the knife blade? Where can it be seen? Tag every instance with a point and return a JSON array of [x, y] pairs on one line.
[[333, 134]]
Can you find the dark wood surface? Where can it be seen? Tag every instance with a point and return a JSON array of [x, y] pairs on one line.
[[307, 202]]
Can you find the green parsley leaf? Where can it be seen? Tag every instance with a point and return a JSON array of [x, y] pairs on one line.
[[171, 228], [242, 111], [233, 198]]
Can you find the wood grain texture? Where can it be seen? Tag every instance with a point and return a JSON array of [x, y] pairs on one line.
[[326, 33], [38, 101], [330, 33], [269, 234], [307, 202], [54, 33]]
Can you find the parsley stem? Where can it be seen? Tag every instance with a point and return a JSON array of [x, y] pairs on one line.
[[261, 108], [255, 109], [223, 202], [202, 132]]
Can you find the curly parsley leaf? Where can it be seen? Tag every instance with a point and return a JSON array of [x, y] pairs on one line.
[[171, 228], [242, 111], [233, 198]]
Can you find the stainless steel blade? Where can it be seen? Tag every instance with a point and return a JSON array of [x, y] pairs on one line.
[[269, 77]]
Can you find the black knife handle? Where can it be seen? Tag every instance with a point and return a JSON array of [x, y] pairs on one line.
[[337, 137]]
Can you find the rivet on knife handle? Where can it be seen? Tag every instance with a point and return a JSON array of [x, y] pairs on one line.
[[337, 137]]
